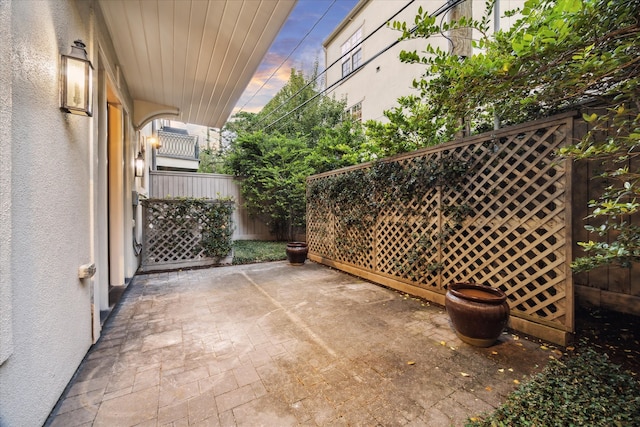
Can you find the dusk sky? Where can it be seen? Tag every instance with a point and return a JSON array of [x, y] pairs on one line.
[[304, 16]]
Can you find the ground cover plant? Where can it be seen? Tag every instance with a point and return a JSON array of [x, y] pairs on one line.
[[250, 251], [584, 389]]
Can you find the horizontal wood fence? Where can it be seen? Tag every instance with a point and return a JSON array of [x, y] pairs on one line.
[[167, 184], [507, 222]]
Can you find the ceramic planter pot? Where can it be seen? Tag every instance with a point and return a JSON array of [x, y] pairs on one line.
[[297, 252], [478, 313]]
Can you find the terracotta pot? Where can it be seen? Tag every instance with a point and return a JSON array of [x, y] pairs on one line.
[[478, 313], [297, 252]]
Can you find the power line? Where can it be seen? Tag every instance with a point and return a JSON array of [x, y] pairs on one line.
[[332, 64], [450, 4], [288, 56]]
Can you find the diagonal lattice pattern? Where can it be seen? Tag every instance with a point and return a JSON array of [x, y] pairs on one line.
[[175, 230], [504, 223]]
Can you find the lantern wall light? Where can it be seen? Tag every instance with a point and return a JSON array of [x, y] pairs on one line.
[[139, 165], [76, 81]]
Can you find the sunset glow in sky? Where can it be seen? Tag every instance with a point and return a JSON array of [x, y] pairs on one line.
[[304, 16]]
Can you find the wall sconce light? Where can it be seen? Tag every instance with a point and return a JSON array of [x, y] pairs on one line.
[[139, 165], [154, 141], [76, 81]]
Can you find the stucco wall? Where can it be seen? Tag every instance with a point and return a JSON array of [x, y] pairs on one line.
[[6, 318], [50, 212]]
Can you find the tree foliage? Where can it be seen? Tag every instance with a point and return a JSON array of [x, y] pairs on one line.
[[211, 161], [298, 133], [557, 55], [273, 170]]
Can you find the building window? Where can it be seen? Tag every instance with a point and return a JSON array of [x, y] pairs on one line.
[[351, 59], [346, 68], [356, 59], [356, 112]]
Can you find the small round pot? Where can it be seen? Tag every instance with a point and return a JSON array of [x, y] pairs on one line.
[[297, 252], [478, 313]]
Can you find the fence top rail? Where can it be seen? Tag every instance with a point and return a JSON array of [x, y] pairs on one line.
[[193, 174], [158, 200], [510, 130]]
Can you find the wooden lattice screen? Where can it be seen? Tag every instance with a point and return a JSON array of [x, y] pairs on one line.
[[505, 223], [174, 233]]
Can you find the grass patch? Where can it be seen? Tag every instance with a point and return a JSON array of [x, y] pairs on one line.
[[586, 389], [250, 251]]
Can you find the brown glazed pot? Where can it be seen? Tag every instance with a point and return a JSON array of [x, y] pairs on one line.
[[297, 252], [478, 313]]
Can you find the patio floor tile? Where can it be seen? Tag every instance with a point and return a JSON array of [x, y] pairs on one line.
[[275, 345]]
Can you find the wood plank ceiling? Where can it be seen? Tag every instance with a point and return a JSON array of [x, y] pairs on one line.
[[193, 55]]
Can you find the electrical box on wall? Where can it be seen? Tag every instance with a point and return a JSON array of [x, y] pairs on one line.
[[135, 198]]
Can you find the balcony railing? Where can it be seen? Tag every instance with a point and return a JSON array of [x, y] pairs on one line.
[[178, 146]]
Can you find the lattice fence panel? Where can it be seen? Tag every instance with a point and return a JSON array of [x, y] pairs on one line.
[[175, 231], [408, 225], [516, 237], [321, 230], [505, 222]]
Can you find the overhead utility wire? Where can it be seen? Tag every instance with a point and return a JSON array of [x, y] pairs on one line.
[[332, 64], [288, 56], [443, 9]]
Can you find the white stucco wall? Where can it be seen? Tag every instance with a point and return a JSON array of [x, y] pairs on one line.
[[6, 312], [380, 83], [49, 218]]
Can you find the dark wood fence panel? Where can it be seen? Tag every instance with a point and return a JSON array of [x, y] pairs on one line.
[[613, 288]]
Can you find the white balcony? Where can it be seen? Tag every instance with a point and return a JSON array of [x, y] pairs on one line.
[[177, 152]]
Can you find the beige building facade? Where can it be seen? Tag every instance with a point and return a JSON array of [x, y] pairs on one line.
[[362, 53]]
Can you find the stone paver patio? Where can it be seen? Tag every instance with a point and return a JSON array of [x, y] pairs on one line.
[[275, 345]]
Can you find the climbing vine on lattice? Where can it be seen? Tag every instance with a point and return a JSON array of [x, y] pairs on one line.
[[187, 229], [384, 195]]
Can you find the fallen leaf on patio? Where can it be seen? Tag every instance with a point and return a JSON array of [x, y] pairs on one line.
[[571, 348], [544, 347], [464, 374], [488, 388], [411, 362], [501, 370], [516, 382], [510, 369], [516, 338], [494, 352], [443, 343], [474, 419], [452, 348]]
